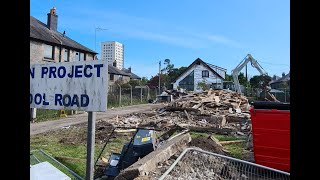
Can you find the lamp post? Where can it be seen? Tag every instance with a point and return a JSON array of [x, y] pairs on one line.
[[95, 36]]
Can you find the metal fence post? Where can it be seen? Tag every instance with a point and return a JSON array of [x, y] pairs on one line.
[[140, 93], [148, 96], [119, 94], [285, 95], [33, 113], [130, 94]]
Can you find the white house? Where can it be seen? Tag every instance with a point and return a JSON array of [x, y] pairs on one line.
[[198, 72]]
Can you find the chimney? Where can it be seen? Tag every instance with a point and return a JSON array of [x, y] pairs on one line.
[[129, 69], [274, 77], [52, 19], [283, 74]]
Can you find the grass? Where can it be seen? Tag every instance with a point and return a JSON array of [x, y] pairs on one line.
[[51, 144], [197, 134], [42, 158], [236, 150], [226, 137], [48, 114]]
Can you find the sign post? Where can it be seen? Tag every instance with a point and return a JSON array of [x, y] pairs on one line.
[[74, 86], [90, 145]]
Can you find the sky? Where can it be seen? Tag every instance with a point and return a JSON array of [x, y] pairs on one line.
[[218, 32]]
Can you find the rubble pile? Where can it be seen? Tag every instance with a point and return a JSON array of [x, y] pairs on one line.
[[204, 167], [220, 109], [216, 102]]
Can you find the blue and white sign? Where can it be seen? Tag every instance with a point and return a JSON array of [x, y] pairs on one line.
[[73, 85]]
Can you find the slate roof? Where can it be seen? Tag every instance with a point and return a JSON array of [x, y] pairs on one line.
[[132, 75], [40, 31], [282, 79], [116, 71]]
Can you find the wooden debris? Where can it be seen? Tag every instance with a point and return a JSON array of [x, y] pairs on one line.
[[181, 109], [217, 111], [125, 130], [231, 142], [223, 121], [223, 131], [216, 141]]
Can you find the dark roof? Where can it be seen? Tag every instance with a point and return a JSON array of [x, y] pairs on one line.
[[132, 75], [282, 79], [40, 31], [209, 66], [114, 70]]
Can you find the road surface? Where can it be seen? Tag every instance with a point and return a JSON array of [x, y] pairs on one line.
[[41, 127]]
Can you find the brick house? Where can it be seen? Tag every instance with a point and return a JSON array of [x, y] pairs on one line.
[[49, 45]]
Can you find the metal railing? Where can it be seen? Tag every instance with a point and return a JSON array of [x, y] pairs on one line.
[[38, 156], [195, 163]]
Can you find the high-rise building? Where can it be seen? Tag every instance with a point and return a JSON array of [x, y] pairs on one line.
[[113, 51]]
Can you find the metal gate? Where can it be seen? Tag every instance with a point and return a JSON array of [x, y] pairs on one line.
[[195, 163]]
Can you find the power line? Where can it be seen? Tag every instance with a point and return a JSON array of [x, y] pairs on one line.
[[274, 64]]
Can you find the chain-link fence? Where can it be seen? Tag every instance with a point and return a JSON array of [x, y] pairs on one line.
[[281, 94], [43, 114], [194, 163], [117, 96], [38, 156], [125, 96]]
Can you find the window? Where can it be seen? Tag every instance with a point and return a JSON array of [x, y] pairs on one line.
[[48, 51], [111, 77], [120, 77], [66, 55], [205, 73], [188, 82], [76, 56]]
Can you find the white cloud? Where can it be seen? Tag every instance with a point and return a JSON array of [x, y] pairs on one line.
[[144, 28]]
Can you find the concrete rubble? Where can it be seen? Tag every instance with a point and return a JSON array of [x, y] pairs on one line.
[[223, 112], [212, 111]]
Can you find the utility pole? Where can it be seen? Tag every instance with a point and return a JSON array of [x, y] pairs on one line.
[[159, 76]]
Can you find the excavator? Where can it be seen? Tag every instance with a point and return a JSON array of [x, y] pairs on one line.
[[235, 72]]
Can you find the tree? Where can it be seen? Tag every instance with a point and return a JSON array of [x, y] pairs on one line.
[[260, 81], [175, 72], [168, 74], [228, 77], [241, 78], [144, 81], [203, 85], [154, 81], [134, 83]]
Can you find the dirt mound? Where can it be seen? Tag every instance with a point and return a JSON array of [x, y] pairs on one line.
[[78, 134], [207, 144]]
